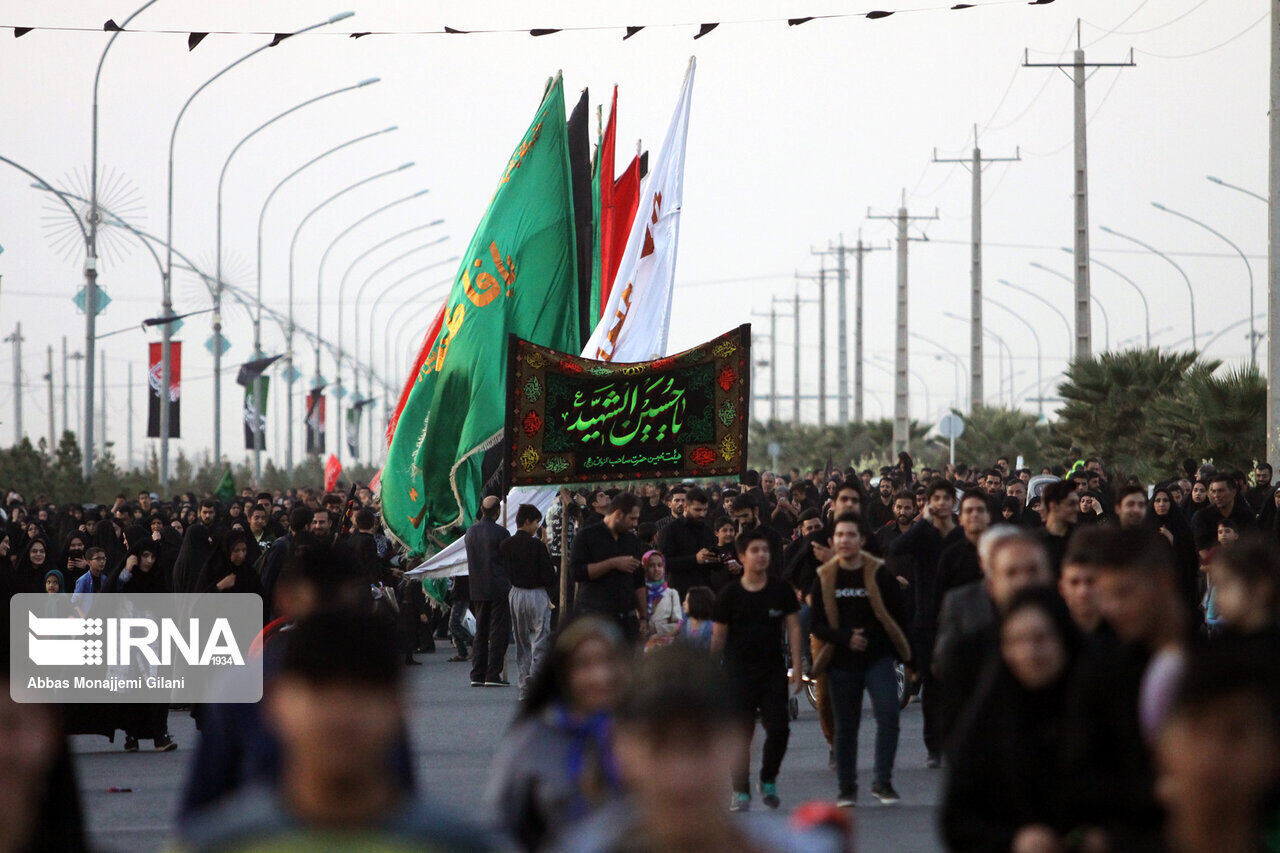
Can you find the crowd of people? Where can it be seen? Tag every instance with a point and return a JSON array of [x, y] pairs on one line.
[[1097, 660]]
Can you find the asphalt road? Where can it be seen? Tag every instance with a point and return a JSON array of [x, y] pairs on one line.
[[455, 728]]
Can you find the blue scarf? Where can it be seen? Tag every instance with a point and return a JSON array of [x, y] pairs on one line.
[[595, 730], [656, 589]]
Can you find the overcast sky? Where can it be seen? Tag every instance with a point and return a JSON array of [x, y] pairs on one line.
[[795, 133]]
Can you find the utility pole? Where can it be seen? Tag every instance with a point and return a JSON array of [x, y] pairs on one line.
[[78, 357], [16, 340], [128, 422], [102, 371], [901, 389], [821, 279], [1079, 76], [48, 378], [1273, 246], [975, 167], [842, 335], [66, 425], [772, 314]]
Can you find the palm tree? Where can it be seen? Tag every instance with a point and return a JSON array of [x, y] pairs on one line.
[[992, 432]]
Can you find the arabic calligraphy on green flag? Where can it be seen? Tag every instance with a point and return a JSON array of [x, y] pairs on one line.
[[572, 419], [518, 276]]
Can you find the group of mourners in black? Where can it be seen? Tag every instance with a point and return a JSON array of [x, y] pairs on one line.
[[1097, 662]]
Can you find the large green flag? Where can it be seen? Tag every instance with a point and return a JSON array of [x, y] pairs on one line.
[[226, 487], [519, 275]]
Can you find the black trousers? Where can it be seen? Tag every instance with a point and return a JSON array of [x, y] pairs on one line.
[[764, 695], [493, 635]]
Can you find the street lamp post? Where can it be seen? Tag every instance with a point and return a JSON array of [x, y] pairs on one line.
[[1039, 351], [1003, 346], [373, 310], [168, 303], [1029, 292], [1235, 325], [218, 285], [257, 319], [928, 403], [1253, 333], [324, 258], [293, 246], [1146, 309], [1153, 250], [342, 289], [951, 354], [1106, 320]]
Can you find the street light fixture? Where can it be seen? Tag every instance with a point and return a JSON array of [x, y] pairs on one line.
[[1153, 250], [1146, 309], [293, 246], [1106, 320], [1253, 333], [168, 305], [1035, 336], [1029, 292], [959, 363], [324, 258], [999, 340]]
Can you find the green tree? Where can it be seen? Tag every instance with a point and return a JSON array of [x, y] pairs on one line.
[[994, 431]]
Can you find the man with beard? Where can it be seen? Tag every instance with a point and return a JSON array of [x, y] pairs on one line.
[[675, 502], [925, 541], [880, 510], [746, 512], [689, 545]]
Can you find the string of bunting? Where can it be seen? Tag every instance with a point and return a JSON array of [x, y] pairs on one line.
[[194, 38]]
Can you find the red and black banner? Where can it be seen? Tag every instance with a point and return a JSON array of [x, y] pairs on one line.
[[175, 389], [315, 420]]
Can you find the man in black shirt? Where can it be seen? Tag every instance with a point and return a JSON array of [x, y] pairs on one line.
[[880, 509], [858, 613], [489, 587], [958, 563], [1061, 510], [925, 541], [689, 545], [747, 624], [606, 565], [676, 503], [532, 580], [746, 512], [1224, 504]]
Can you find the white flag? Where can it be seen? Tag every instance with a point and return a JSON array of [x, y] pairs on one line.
[[636, 318], [638, 315]]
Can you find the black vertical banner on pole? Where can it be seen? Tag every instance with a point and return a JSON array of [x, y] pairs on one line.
[[315, 420], [255, 413]]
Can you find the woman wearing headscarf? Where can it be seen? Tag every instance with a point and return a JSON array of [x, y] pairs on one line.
[[139, 575], [555, 766], [106, 535], [1009, 747], [197, 547], [71, 561], [230, 566], [1164, 518], [35, 560]]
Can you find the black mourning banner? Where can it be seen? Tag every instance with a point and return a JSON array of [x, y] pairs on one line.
[[154, 375], [255, 413], [576, 420], [315, 421]]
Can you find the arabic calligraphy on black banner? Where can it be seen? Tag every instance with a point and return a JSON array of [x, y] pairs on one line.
[[571, 419]]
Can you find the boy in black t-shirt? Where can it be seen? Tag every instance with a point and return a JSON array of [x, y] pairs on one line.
[[747, 625]]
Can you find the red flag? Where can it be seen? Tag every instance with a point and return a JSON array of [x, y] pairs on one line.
[[332, 469], [625, 198], [427, 343], [609, 253]]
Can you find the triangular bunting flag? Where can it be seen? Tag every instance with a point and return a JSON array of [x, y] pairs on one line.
[[357, 35], [19, 32], [542, 32], [795, 22], [631, 31], [878, 14], [279, 37], [111, 27], [704, 29], [194, 39], [456, 32]]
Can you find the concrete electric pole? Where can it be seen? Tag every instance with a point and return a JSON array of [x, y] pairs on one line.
[[901, 389], [16, 340], [48, 378], [975, 165], [1080, 76]]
